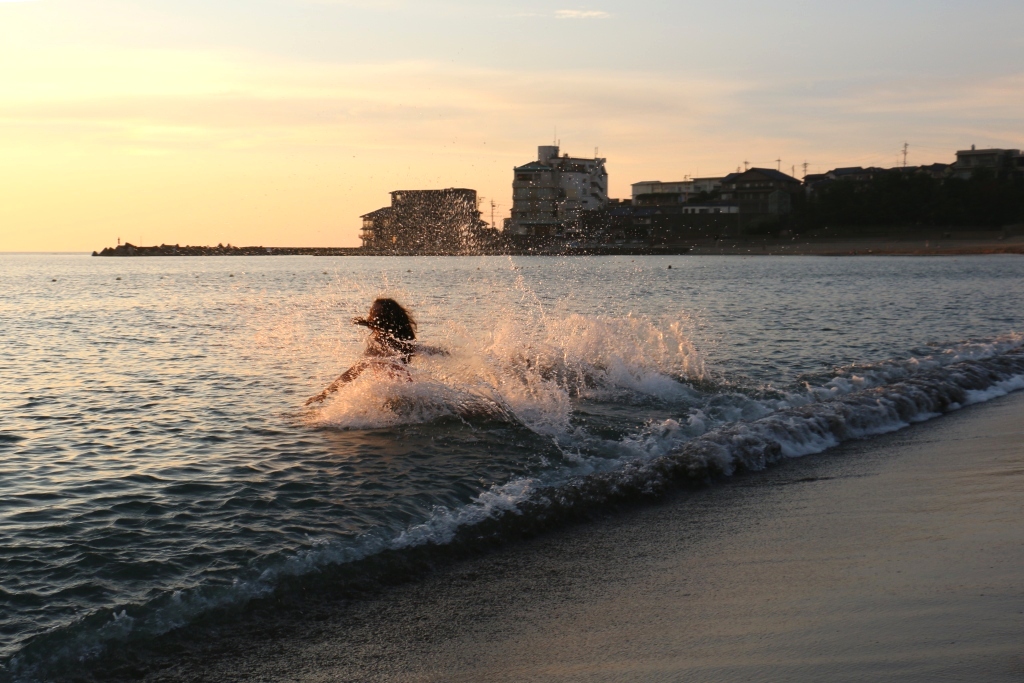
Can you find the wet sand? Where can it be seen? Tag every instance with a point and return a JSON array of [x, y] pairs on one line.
[[896, 558]]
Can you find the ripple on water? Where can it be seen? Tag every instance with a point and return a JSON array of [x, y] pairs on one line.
[[155, 442]]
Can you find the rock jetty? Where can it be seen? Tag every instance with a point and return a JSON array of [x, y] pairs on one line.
[[128, 249]]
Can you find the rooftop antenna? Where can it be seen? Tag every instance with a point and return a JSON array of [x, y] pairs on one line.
[[905, 146]]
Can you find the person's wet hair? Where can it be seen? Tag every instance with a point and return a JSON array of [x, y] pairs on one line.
[[388, 316]]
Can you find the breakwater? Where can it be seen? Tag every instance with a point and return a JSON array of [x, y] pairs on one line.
[[221, 250], [546, 250]]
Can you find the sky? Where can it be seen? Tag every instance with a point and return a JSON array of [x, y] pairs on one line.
[[280, 122]]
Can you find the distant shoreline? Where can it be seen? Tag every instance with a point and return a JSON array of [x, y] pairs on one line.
[[861, 247], [722, 247]]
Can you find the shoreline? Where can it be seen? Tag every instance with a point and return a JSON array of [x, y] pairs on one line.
[[893, 557], [865, 247], [722, 247]]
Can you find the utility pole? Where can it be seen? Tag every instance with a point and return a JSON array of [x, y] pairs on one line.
[[746, 165], [905, 146], [778, 165], [805, 169]]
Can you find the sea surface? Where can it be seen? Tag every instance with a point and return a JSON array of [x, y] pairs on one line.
[[157, 460]]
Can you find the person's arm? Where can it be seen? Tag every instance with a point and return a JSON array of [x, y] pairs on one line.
[[345, 378]]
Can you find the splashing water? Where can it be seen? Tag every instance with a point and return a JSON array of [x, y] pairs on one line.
[[526, 375]]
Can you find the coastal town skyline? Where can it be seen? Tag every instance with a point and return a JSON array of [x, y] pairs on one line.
[[281, 122]]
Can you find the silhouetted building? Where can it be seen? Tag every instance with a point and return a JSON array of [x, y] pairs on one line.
[[999, 162], [681, 191], [814, 182], [854, 174], [426, 222], [937, 171], [553, 193], [760, 190]]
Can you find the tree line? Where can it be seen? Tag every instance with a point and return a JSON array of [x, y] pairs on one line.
[[899, 199]]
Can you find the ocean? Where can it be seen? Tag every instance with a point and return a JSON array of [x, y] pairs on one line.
[[158, 462]]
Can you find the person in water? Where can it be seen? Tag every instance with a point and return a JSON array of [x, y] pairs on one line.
[[389, 349]]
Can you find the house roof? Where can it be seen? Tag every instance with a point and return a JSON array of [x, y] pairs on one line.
[[773, 174], [533, 166], [967, 152], [848, 170], [379, 213]]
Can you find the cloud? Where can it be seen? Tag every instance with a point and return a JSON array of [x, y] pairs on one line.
[[581, 14], [180, 100]]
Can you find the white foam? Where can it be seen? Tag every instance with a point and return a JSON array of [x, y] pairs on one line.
[[998, 389], [529, 375]]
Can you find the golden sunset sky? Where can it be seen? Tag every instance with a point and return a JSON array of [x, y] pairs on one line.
[[279, 122]]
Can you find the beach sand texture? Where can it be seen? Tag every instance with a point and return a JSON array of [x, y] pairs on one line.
[[895, 558]]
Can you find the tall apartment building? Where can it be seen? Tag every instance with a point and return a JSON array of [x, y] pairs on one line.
[[550, 194], [425, 222]]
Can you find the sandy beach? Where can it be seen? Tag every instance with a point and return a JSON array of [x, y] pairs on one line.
[[894, 558]]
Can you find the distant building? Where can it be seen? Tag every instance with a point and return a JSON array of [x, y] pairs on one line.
[[813, 182], [999, 162], [760, 190], [709, 207], [426, 221], [854, 174], [554, 192], [681, 190], [846, 174], [937, 171]]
